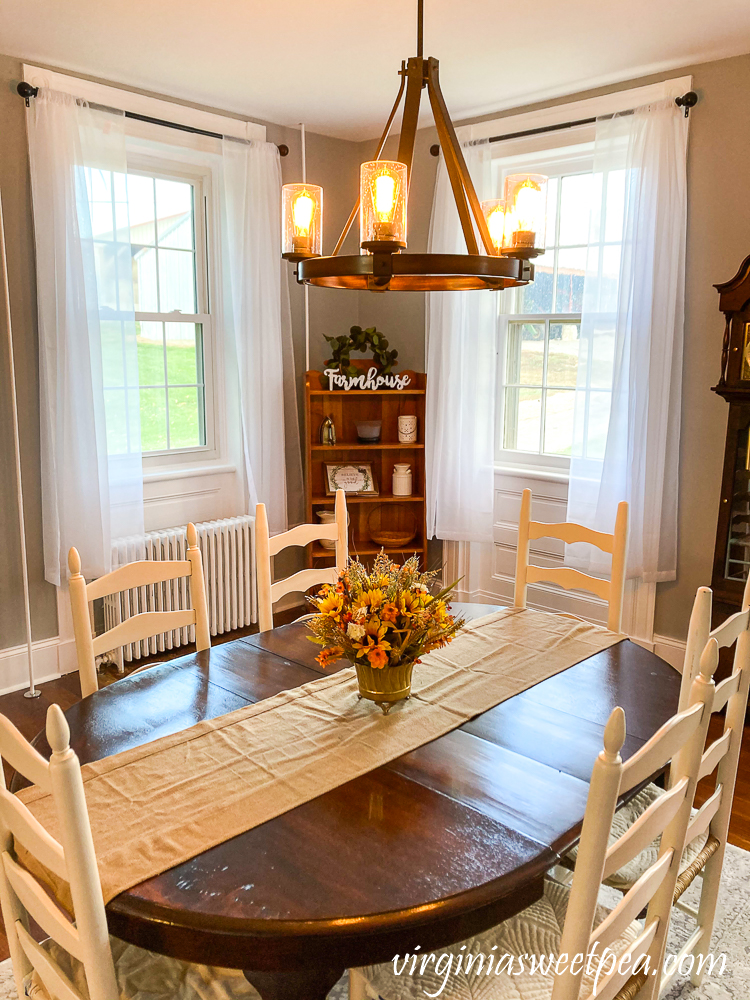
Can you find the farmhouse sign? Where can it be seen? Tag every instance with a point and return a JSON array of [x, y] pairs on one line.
[[371, 380]]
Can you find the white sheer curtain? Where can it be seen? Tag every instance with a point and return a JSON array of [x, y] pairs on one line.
[[626, 445], [258, 319], [92, 481], [461, 381]]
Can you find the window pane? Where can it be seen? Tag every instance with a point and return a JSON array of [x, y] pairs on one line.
[[184, 422], [523, 409], [174, 207], [558, 421], [141, 209], [537, 297], [571, 271], [527, 344], [562, 356], [150, 353], [176, 281], [182, 353], [144, 279], [153, 419], [575, 208]]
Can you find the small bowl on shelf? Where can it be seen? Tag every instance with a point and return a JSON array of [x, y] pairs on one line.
[[368, 431], [392, 525]]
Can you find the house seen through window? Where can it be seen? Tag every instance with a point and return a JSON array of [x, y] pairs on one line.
[[158, 223], [542, 348]]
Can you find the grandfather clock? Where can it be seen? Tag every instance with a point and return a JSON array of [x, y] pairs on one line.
[[732, 552]]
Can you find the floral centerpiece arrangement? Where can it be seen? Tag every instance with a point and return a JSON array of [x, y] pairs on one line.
[[382, 622]]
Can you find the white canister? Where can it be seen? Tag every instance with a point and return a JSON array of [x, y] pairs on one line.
[[402, 479], [407, 429]]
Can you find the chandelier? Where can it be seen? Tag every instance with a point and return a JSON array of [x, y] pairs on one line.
[[501, 235]]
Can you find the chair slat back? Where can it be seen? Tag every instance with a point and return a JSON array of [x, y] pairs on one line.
[[723, 754], [681, 739], [72, 858], [267, 547], [611, 591], [141, 574]]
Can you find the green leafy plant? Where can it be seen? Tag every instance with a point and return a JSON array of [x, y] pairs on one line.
[[369, 339]]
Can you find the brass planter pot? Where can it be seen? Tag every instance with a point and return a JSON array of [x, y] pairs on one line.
[[384, 686]]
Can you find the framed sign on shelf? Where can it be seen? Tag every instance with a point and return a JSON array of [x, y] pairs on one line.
[[351, 478]]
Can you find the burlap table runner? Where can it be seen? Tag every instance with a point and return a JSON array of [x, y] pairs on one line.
[[165, 802]]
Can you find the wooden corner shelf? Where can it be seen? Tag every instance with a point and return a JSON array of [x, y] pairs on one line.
[[346, 408]]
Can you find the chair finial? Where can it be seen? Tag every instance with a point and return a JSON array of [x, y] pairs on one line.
[[58, 732], [709, 659], [192, 535], [614, 733], [74, 562]]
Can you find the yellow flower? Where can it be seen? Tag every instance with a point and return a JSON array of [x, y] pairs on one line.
[[369, 599], [331, 605], [411, 604]]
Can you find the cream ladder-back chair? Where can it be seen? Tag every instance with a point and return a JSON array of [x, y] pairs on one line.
[[611, 590], [78, 961], [709, 825], [585, 928], [266, 547], [144, 573]]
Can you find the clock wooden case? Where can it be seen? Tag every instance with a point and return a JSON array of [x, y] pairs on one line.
[[732, 551]]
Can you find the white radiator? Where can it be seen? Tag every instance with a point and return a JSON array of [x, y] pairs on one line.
[[227, 548]]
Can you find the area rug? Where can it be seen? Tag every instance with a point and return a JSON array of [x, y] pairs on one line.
[[731, 937]]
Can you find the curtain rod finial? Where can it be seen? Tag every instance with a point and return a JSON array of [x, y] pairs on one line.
[[687, 101], [26, 91]]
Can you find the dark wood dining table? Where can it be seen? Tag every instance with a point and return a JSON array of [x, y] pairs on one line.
[[438, 845]]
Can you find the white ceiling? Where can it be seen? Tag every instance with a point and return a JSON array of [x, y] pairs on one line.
[[333, 63]]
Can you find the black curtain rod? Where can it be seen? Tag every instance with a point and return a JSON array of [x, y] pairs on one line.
[[26, 91], [687, 101]]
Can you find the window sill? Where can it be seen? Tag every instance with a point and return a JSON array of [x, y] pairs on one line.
[[533, 472], [182, 472]]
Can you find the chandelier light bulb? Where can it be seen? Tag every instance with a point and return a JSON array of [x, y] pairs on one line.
[[302, 213], [494, 213], [384, 197], [302, 221], [526, 211], [383, 186]]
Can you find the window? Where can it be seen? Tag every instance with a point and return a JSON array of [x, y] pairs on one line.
[[542, 344], [158, 220]]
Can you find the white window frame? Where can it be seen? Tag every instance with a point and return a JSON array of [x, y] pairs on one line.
[[570, 148], [205, 277], [577, 157]]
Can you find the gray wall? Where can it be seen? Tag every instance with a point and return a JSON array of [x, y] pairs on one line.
[[718, 240], [14, 185]]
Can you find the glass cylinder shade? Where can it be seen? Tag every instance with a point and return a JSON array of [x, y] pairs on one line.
[[302, 221], [494, 214], [383, 187], [525, 212]]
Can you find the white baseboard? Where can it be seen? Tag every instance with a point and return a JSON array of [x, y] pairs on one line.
[[51, 659]]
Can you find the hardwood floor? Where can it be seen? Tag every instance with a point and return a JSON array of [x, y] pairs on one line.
[[29, 716]]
